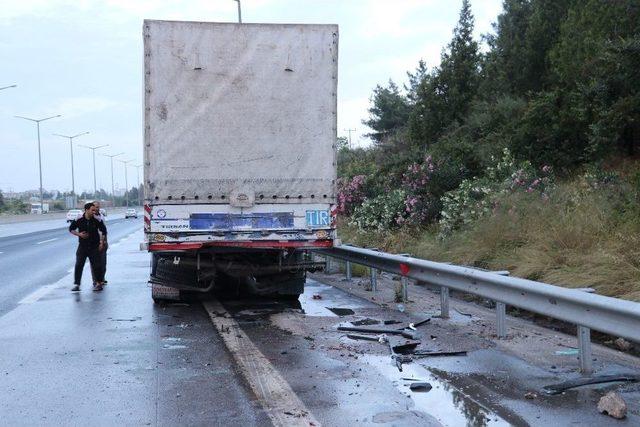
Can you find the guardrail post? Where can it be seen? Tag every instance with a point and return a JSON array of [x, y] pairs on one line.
[[501, 319], [348, 270], [584, 344], [444, 302], [374, 279], [405, 292]]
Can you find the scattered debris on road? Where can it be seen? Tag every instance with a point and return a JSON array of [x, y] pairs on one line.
[[570, 352], [463, 313], [531, 395], [341, 311], [613, 404], [554, 389], [404, 332], [367, 322], [420, 386], [439, 353], [623, 344], [316, 296]]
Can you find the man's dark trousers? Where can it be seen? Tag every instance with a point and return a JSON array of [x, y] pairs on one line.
[[82, 253]]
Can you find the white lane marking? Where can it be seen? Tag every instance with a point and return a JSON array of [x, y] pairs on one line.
[[35, 296], [1, 252], [47, 241], [279, 401]]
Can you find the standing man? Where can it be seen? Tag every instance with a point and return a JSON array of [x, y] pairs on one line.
[[90, 243], [103, 253]]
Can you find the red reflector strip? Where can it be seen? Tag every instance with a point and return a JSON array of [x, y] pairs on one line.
[[267, 244]]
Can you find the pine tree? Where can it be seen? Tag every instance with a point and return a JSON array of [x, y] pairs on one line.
[[444, 97], [389, 111]]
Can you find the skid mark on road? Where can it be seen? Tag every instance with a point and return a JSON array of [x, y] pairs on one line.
[[279, 401]]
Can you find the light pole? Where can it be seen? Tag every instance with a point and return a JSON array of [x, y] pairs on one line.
[[73, 182], [37, 121], [93, 149], [138, 175], [350, 130], [7, 87], [239, 12], [113, 193], [126, 181]]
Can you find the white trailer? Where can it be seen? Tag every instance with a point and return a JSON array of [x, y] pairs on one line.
[[239, 151]]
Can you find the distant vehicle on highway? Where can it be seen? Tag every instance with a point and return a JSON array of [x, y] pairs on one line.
[[73, 214], [37, 209], [103, 212], [131, 213]]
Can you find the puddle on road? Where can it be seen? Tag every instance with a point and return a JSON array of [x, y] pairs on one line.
[[448, 405], [329, 301]]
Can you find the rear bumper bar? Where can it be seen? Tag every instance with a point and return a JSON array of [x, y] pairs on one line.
[[260, 244]]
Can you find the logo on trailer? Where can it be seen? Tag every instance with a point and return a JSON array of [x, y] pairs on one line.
[[161, 213]]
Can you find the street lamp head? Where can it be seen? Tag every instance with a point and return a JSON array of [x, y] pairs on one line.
[[93, 148], [37, 120]]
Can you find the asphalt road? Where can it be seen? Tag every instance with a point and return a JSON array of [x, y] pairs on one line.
[[116, 358], [31, 260]]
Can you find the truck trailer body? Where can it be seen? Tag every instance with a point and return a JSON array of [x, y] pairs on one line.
[[239, 152]]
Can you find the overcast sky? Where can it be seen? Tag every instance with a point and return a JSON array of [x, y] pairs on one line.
[[83, 59]]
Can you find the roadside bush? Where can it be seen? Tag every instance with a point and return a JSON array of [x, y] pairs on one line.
[[382, 212], [478, 197]]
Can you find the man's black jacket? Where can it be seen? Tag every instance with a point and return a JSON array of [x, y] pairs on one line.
[[91, 226]]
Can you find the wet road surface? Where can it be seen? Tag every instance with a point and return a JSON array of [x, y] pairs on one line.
[[115, 358], [31, 260]]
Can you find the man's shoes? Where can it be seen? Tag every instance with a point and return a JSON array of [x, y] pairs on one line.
[[97, 287], [76, 288]]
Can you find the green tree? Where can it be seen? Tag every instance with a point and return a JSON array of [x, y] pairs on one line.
[[389, 111], [444, 96]]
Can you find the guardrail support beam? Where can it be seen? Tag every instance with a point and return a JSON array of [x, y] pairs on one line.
[[374, 279], [327, 267], [584, 345], [347, 267], [501, 319], [405, 291], [444, 302]]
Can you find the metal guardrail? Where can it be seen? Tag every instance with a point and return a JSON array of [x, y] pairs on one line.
[[588, 311]]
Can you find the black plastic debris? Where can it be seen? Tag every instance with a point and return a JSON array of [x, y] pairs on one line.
[[439, 353], [420, 386], [341, 311], [365, 322], [554, 389]]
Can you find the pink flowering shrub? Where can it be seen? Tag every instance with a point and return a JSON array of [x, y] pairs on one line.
[[351, 193]]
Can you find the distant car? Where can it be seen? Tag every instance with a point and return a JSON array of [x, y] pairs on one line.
[[131, 213], [73, 214], [103, 212]]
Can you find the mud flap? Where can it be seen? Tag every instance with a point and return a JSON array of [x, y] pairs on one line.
[[164, 293]]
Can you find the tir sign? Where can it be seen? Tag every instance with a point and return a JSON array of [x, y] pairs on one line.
[[317, 218]]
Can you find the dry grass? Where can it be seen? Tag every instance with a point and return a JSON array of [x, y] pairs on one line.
[[576, 239]]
